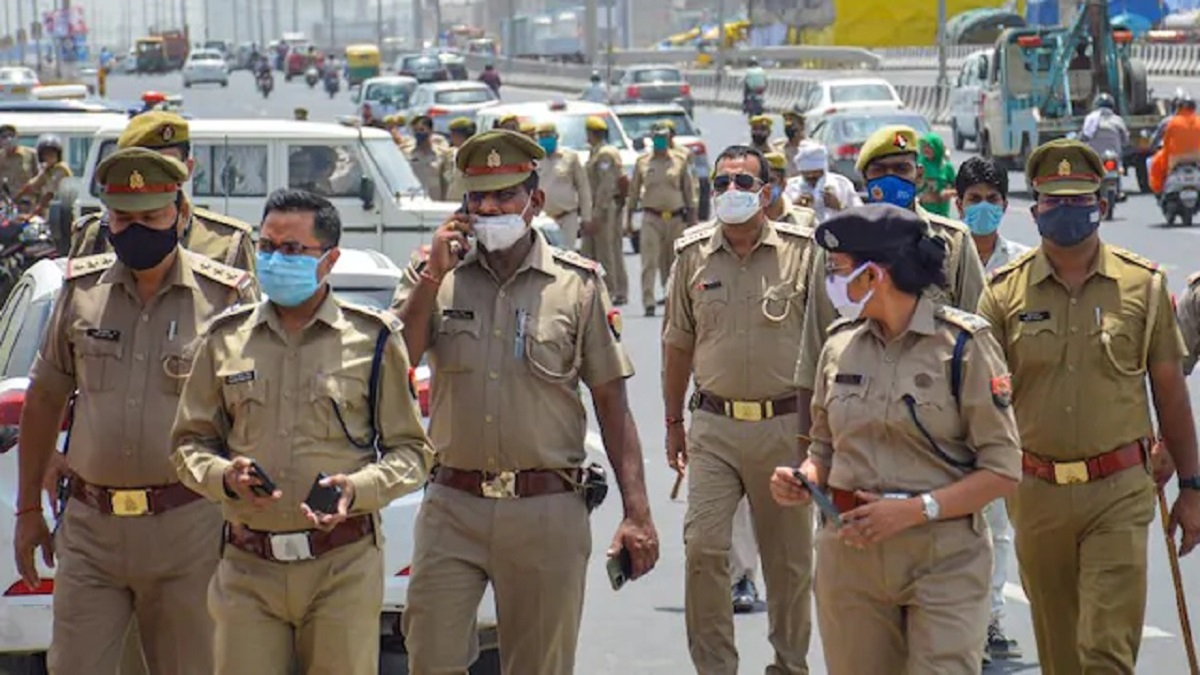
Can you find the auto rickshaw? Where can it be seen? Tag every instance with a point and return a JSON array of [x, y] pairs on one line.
[[362, 63]]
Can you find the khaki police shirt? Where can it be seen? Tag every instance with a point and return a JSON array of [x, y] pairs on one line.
[[258, 391], [17, 168], [1078, 361], [964, 286], [862, 429], [48, 180], [604, 178], [1189, 322], [565, 182], [456, 188], [661, 183], [740, 316], [507, 360], [429, 165], [212, 235], [789, 150], [129, 361]]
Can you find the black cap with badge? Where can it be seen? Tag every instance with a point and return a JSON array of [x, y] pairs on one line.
[[872, 228]]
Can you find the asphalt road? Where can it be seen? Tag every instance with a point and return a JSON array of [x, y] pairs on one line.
[[641, 630]]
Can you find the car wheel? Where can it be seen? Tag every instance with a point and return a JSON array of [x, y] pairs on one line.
[[958, 140], [224, 83]]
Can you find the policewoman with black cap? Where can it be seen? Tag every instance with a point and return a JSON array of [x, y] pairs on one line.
[[912, 435]]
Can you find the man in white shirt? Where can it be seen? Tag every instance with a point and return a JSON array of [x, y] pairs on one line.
[[818, 188]]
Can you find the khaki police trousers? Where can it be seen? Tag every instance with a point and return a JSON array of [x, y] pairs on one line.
[[658, 251], [319, 616], [607, 247], [729, 459], [112, 568], [568, 224], [533, 551], [916, 603], [1082, 553]]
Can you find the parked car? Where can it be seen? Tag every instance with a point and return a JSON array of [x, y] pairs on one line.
[[432, 67], [446, 101], [26, 614], [967, 97], [205, 66], [639, 119], [17, 83], [844, 133], [654, 84], [829, 97], [384, 95]]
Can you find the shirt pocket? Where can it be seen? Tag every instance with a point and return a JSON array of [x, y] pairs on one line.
[[176, 365], [935, 411], [341, 410], [1121, 339], [1038, 343], [99, 363], [457, 344], [246, 403], [710, 307], [780, 305], [550, 349], [846, 404]]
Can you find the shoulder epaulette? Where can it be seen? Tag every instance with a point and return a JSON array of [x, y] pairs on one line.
[[220, 272], [84, 222], [385, 318], [842, 324], [693, 234], [575, 260], [1131, 257], [91, 264], [230, 313], [1193, 278], [221, 219], [793, 229], [972, 323], [948, 223], [1016, 263]]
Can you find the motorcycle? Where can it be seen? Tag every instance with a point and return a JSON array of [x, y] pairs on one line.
[[1180, 197], [266, 82], [753, 102], [311, 77], [1110, 185], [332, 84], [24, 240]]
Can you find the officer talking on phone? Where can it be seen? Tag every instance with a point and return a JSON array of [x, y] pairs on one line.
[[512, 326]]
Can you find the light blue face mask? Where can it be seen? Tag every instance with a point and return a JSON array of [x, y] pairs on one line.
[[288, 280], [660, 143], [983, 218], [548, 143]]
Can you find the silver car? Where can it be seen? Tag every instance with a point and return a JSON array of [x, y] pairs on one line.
[[447, 101], [205, 66]]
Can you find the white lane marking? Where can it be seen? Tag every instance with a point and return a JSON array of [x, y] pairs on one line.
[[1015, 593]]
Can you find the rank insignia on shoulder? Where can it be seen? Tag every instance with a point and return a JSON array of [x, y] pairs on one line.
[[105, 334], [1002, 391], [848, 378], [240, 378], [614, 323]]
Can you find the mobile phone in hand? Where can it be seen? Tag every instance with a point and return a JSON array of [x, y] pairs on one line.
[[819, 498], [620, 569], [267, 486], [322, 499]]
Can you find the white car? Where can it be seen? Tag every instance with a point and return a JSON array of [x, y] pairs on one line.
[[841, 95], [205, 66], [17, 83], [360, 276]]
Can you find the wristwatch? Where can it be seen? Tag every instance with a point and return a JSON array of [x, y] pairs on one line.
[[1192, 483], [931, 507]]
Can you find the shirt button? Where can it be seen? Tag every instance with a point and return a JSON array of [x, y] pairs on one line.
[[1074, 301], [139, 357], [487, 418], [496, 332], [1070, 369], [494, 375], [1070, 410], [145, 318], [503, 293], [287, 395], [284, 433], [133, 403], [1074, 329]]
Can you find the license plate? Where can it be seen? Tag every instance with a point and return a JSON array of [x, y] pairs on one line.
[[20, 90]]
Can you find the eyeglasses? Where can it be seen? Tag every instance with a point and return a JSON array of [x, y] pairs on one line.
[[743, 181], [288, 247]]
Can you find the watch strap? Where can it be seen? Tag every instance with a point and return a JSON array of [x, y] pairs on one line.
[[1190, 483]]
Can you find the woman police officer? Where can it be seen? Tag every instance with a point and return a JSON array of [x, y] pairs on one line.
[[912, 434]]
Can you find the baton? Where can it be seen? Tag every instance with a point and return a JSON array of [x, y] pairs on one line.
[[1180, 599], [678, 484]]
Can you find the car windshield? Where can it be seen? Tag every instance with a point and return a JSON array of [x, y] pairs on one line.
[[640, 124], [425, 63], [395, 92], [657, 75], [465, 96], [395, 169], [29, 338], [858, 128], [16, 75], [859, 93]]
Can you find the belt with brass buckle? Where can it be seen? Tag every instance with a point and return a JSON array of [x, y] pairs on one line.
[[1066, 473], [1085, 470], [132, 502], [508, 484], [745, 411], [129, 502], [749, 411], [501, 486]]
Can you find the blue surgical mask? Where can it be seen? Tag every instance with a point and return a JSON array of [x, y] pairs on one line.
[[660, 143], [421, 136], [892, 189], [548, 143], [288, 280], [1068, 225], [983, 218]]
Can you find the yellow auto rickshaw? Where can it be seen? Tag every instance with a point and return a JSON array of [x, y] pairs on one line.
[[362, 63]]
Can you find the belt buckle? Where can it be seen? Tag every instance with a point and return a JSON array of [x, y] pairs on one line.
[[746, 411], [291, 547], [501, 486], [1067, 473], [667, 215], [129, 502]]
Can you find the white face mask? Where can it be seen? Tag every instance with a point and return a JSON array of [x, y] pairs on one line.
[[499, 233], [838, 290], [735, 207]]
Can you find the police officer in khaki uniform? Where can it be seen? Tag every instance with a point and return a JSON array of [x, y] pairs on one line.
[[912, 436], [601, 237], [528, 128], [736, 296], [1083, 324], [789, 146], [461, 129], [509, 122], [18, 164], [52, 170], [781, 208], [133, 541], [888, 160], [210, 234], [511, 330], [565, 184], [284, 388], [662, 190], [760, 133], [427, 160]]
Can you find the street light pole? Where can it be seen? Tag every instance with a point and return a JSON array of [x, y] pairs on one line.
[[720, 39], [942, 82]]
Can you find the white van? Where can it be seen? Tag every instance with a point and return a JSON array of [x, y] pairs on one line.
[[240, 161]]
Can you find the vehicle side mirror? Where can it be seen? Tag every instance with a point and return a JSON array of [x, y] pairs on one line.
[[366, 192], [639, 144]]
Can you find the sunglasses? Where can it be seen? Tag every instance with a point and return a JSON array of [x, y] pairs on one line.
[[742, 181]]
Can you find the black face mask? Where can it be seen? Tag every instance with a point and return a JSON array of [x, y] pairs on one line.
[[140, 247], [759, 139], [792, 132]]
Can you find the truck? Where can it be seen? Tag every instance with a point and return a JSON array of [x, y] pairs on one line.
[[1041, 83]]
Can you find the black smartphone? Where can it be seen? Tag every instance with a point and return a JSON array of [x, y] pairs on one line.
[[620, 569], [323, 499], [267, 488], [820, 499]]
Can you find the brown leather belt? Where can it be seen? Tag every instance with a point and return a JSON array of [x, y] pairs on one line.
[[746, 411], [141, 501], [507, 484], [298, 546], [666, 214], [846, 500], [1086, 470]]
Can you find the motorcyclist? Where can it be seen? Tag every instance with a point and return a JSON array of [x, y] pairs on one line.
[[1157, 139], [754, 81], [1103, 128], [1181, 143], [595, 91], [491, 78], [52, 170]]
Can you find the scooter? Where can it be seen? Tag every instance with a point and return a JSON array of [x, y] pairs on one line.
[[24, 240], [752, 102], [1180, 197], [332, 83], [311, 77], [1110, 185], [266, 82]]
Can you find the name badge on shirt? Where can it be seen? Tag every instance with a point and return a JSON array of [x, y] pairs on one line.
[[106, 334], [460, 314], [1032, 317], [240, 378], [848, 378], [708, 285]]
